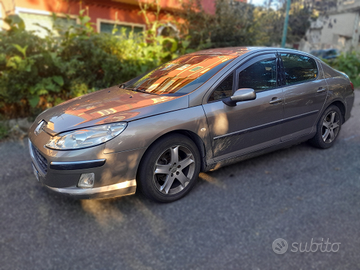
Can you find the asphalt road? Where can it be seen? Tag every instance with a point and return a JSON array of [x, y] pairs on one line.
[[229, 221]]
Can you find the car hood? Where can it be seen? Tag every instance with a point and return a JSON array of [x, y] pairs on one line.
[[107, 106]]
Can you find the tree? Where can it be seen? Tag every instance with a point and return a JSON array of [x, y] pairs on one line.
[[231, 25], [240, 24], [270, 21], [270, 17]]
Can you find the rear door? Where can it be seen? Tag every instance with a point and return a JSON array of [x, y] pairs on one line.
[[305, 92]]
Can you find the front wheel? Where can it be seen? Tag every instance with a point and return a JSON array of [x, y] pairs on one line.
[[328, 128], [169, 168]]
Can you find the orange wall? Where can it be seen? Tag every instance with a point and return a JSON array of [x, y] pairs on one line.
[[117, 10], [104, 9], [120, 11]]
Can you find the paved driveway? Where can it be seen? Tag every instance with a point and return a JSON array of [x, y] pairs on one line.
[[229, 221]]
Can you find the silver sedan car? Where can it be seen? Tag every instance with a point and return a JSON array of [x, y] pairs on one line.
[[196, 113]]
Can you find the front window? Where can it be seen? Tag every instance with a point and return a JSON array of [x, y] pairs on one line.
[[180, 76], [260, 76], [223, 90]]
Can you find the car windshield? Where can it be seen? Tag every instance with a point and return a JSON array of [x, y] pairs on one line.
[[180, 76]]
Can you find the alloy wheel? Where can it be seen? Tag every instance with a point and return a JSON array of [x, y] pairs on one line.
[[330, 127], [174, 169]]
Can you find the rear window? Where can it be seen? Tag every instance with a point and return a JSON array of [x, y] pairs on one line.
[[299, 68], [180, 76]]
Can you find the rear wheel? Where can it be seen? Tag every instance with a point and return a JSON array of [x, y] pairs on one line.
[[328, 128], [169, 168]]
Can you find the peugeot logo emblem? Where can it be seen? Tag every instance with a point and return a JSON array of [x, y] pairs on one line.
[[39, 127]]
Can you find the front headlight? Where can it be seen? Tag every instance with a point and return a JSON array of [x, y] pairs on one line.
[[86, 137]]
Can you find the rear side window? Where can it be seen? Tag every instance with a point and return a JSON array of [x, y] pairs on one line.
[[298, 68]]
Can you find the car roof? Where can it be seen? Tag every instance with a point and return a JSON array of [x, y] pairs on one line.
[[226, 51], [241, 51]]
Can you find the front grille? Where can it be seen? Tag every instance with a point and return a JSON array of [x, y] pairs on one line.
[[42, 162]]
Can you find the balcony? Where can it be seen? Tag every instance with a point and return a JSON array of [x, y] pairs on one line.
[[348, 5]]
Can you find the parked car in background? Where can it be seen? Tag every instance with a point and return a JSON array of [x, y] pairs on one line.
[[326, 54], [196, 113]]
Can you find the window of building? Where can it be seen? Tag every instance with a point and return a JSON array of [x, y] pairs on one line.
[[117, 28], [38, 20], [298, 68], [260, 76]]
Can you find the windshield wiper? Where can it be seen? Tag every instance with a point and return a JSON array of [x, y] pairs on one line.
[[140, 90], [135, 89]]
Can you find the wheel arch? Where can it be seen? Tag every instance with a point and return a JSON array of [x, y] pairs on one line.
[[341, 107], [317, 140], [192, 136]]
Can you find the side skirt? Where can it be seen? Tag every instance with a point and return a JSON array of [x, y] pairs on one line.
[[213, 165]]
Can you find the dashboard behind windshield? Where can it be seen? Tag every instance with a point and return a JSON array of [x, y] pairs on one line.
[[180, 76]]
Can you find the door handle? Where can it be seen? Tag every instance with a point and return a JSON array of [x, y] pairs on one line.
[[275, 100], [321, 89]]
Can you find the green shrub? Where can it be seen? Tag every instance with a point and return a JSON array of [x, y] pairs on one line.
[[37, 73], [4, 131], [232, 24], [349, 63]]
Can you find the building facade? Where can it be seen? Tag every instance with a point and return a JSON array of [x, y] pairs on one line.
[[104, 14], [338, 28]]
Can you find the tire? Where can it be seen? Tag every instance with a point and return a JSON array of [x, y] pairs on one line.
[[328, 128], [169, 168]]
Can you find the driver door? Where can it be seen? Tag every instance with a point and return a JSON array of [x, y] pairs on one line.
[[250, 125]]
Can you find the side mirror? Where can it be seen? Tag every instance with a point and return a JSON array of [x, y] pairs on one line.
[[242, 94]]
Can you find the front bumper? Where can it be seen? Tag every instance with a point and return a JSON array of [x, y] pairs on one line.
[[114, 176], [111, 191]]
